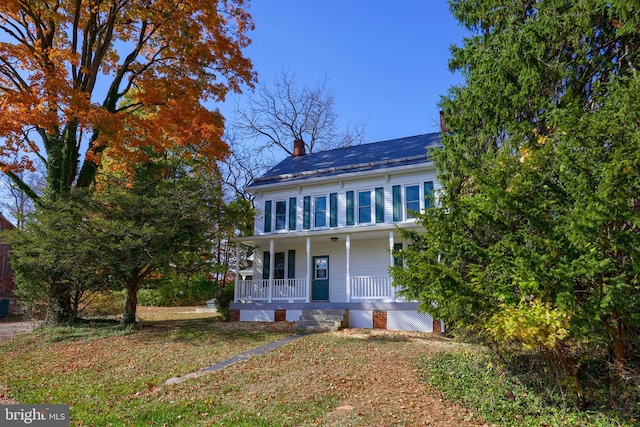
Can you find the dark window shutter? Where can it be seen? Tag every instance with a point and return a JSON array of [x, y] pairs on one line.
[[267, 216], [292, 213], [333, 210], [397, 203], [379, 204], [350, 208], [428, 195], [291, 264], [266, 265], [306, 214]]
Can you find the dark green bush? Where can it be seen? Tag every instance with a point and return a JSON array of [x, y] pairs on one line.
[[224, 297], [178, 291]]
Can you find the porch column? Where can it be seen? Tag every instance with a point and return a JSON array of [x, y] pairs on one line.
[[236, 288], [272, 261], [348, 248], [308, 269], [393, 289]]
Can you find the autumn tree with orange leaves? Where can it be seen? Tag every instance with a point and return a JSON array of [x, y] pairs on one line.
[[79, 77]]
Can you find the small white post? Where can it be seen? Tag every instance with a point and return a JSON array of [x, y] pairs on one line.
[[236, 290], [308, 299], [391, 287], [348, 249], [272, 261]]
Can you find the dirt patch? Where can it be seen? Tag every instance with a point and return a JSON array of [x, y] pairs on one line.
[[9, 329], [395, 395]]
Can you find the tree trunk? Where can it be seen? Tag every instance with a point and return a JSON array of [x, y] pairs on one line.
[[59, 311], [130, 305], [615, 329]]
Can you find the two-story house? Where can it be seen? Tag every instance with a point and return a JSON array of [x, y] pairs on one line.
[[325, 233]]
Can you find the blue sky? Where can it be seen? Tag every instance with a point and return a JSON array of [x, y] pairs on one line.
[[385, 62]]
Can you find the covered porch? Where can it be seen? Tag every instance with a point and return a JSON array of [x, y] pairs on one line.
[[353, 264]]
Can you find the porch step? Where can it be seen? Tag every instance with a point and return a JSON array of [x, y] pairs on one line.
[[320, 320]]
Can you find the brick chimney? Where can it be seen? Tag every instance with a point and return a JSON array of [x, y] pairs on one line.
[[298, 148], [443, 126]]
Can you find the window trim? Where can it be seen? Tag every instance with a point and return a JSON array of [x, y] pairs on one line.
[[360, 207], [406, 202], [283, 215], [315, 212]]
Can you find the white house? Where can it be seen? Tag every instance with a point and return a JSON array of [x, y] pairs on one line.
[[325, 231]]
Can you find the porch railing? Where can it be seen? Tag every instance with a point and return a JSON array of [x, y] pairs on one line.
[[362, 288], [283, 289], [371, 287]]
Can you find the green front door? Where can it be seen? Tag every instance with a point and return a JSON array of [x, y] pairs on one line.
[[320, 278]]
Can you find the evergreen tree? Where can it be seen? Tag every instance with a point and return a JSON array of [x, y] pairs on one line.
[[536, 236]]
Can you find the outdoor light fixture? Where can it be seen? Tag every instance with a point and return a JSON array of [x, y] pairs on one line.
[[334, 239]]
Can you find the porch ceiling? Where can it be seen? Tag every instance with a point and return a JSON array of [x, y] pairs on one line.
[[356, 233]]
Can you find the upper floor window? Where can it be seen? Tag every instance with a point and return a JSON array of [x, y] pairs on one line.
[[281, 215], [412, 200], [364, 206], [320, 211]]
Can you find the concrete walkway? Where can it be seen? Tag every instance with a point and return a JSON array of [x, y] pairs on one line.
[[241, 357]]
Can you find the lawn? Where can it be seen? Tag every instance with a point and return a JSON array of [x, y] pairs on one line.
[[115, 376], [110, 375]]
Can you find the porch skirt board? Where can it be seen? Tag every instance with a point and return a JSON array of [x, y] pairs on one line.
[[398, 320]]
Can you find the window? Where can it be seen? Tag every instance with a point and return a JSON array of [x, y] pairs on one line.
[[333, 210], [397, 202], [292, 213], [306, 213], [320, 211], [350, 208], [321, 268], [397, 254], [379, 204], [281, 215], [364, 206], [428, 195], [412, 200], [278, 268], [267, 216]]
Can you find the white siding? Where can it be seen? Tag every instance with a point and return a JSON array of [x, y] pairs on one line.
[[293, 315], [341, 184], [257, 316], [409, 321], [361, 319], [369, 257]]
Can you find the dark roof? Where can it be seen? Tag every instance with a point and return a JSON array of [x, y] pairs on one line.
[[358, 158]]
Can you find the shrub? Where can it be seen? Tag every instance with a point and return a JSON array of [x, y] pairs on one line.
[[224, 297]]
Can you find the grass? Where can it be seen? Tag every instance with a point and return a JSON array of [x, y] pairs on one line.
[[114, 376], [483, 384]]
